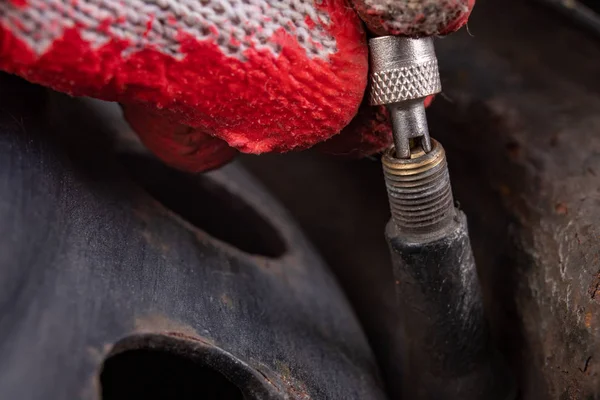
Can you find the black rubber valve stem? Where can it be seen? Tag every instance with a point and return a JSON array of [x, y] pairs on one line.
[[448, 349]]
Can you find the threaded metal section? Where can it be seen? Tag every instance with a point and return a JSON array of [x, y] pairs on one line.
[[419, 190]]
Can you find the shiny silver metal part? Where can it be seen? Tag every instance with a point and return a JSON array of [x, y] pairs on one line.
[[409, 122], [404, 71]]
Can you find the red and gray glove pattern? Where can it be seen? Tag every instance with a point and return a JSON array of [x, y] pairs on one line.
[[202, 79]]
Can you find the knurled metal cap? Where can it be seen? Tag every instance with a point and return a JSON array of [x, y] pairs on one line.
[[402, 69]]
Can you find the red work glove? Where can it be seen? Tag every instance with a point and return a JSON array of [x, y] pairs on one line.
[[200, 78]]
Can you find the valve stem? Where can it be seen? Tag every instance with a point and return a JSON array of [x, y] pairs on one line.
[[449, 353]]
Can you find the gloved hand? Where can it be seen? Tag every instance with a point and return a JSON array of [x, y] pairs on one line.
[[200, 78]]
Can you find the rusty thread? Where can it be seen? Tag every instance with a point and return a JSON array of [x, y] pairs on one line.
[[419, 190]]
